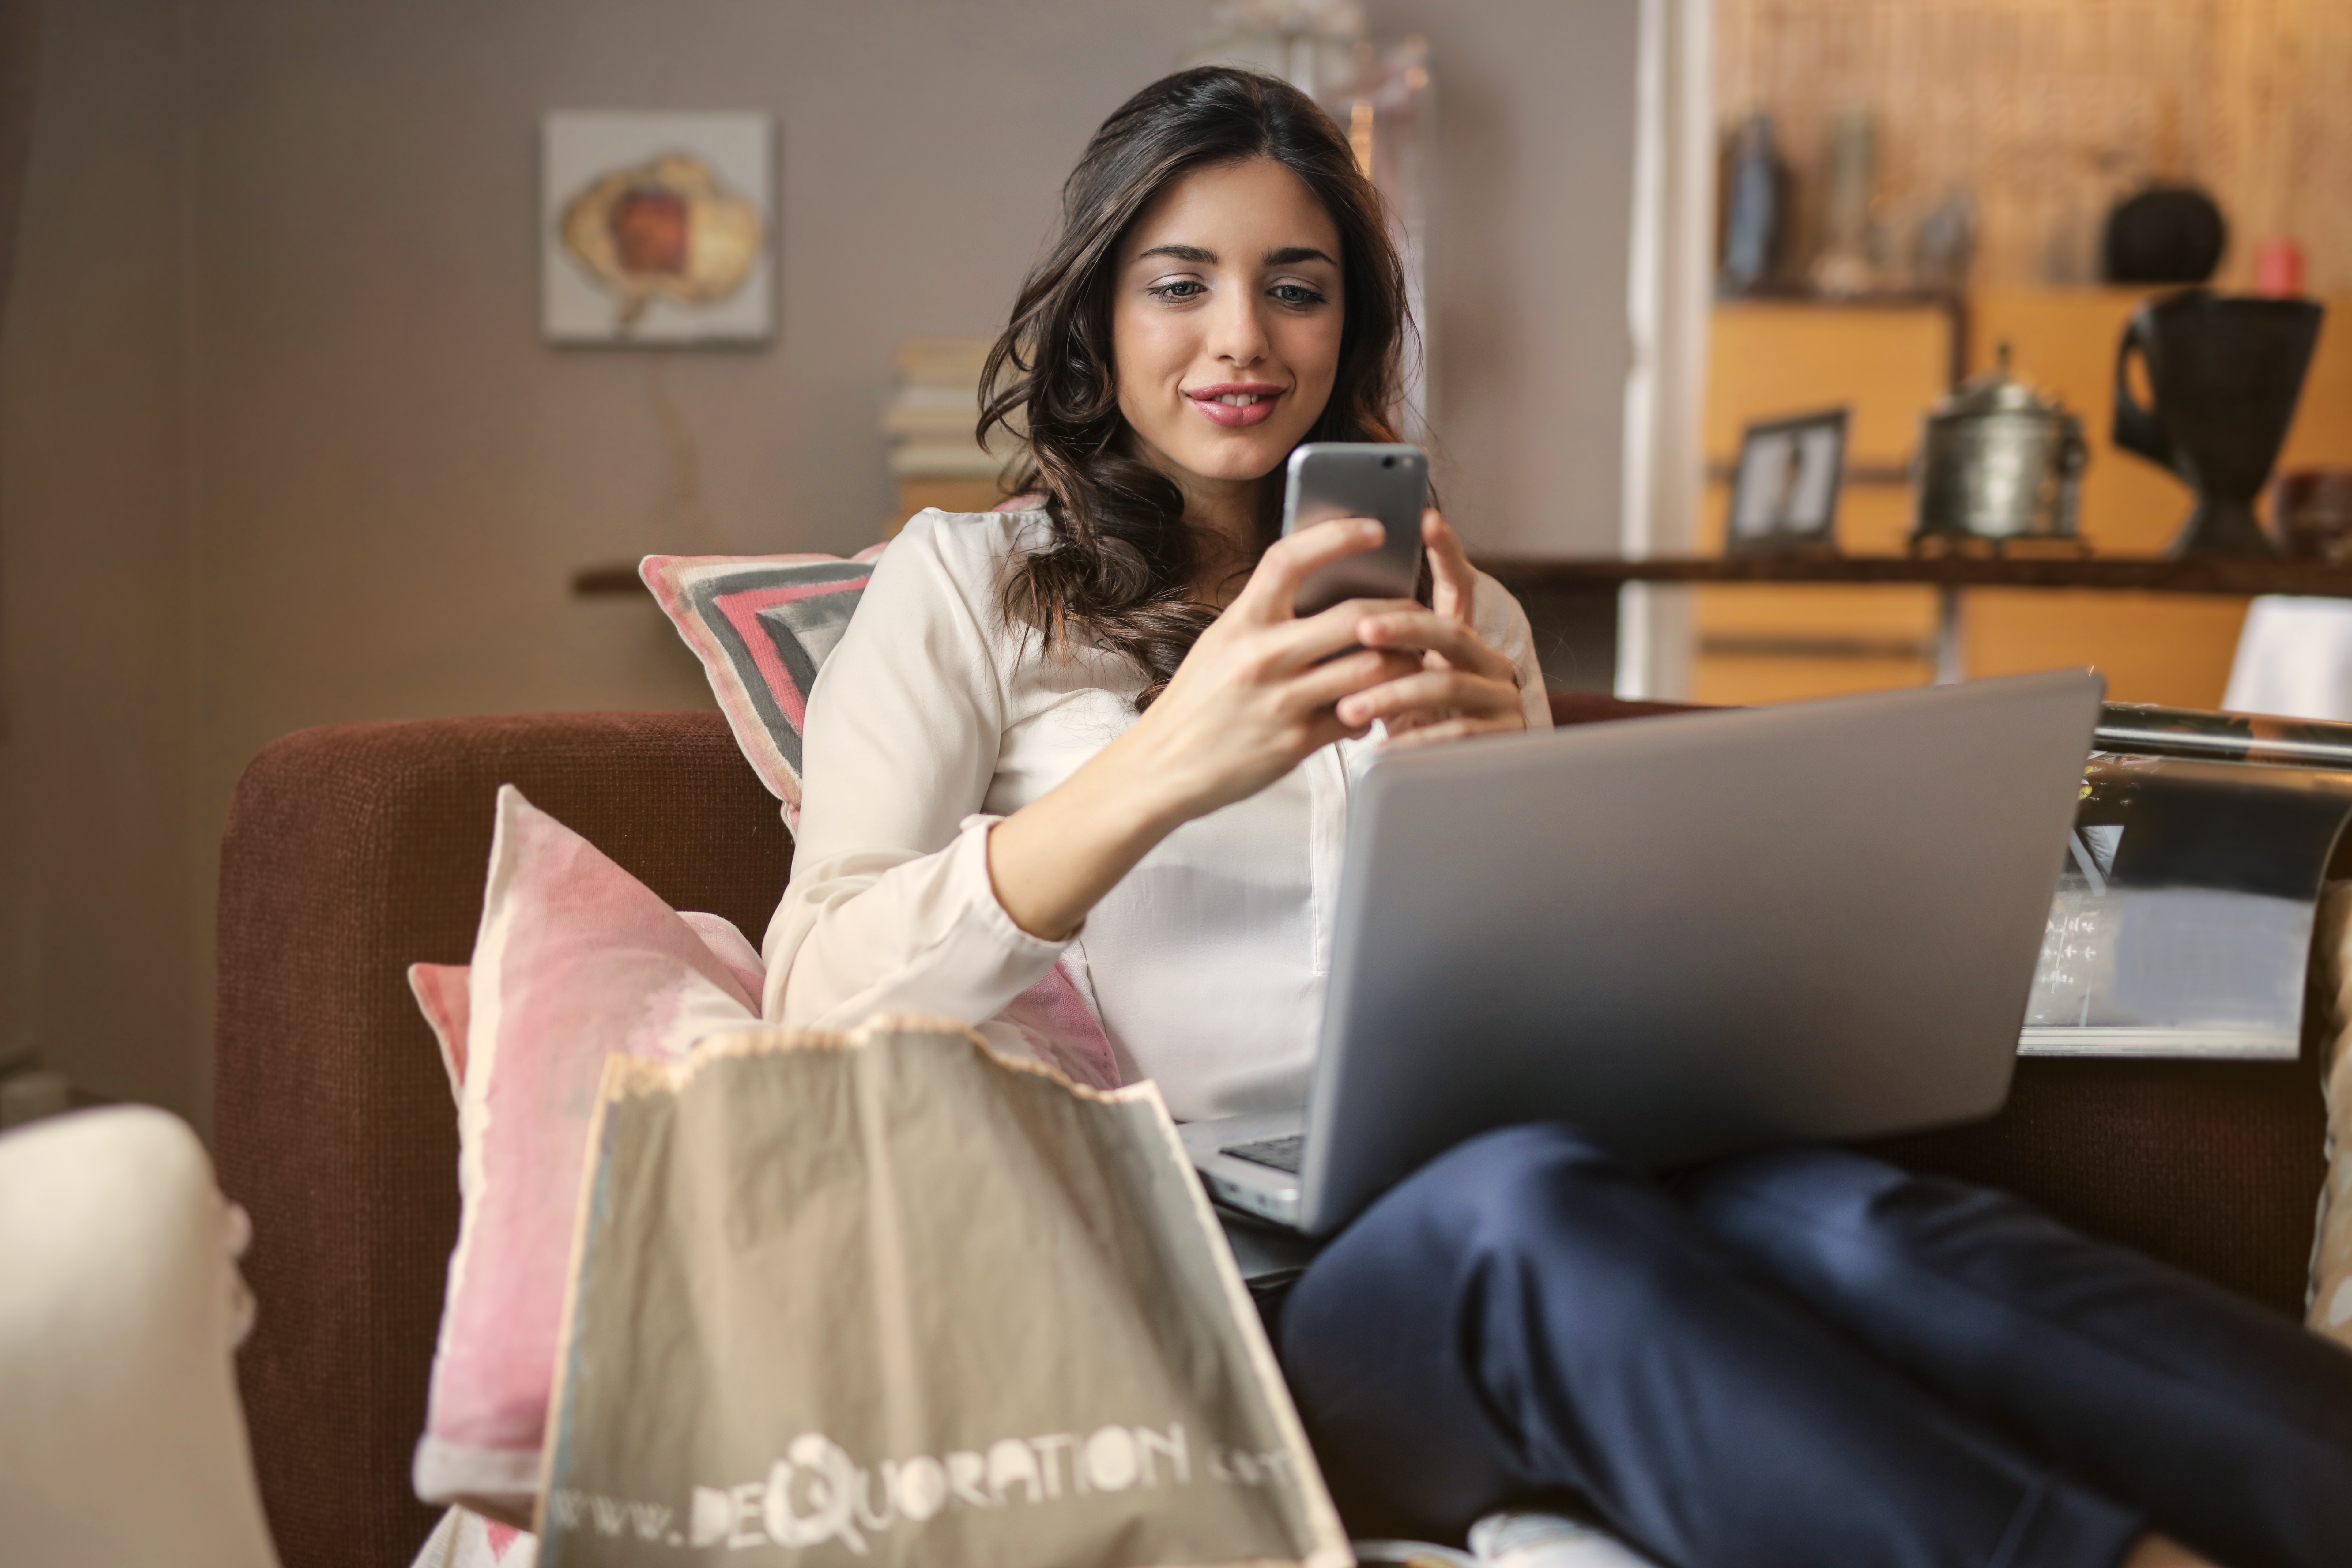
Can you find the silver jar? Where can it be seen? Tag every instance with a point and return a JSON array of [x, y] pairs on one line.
[[1997, 462]]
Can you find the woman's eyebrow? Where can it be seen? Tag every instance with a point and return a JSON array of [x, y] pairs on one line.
[[1181, 253], [1291, 254]]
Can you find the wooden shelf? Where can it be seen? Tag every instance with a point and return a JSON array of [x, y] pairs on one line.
[[2118, 573], [618, 579]]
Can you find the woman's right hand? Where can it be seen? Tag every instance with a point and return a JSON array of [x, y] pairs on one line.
[[1255, 697], [1251, 702]]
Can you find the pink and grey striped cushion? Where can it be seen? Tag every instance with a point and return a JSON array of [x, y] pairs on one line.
[[761, 626]]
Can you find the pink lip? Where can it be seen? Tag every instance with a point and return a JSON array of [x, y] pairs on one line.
[[1233, 415]]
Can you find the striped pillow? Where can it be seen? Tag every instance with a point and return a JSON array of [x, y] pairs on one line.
[[761, 626]]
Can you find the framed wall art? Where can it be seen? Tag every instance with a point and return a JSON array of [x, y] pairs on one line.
[[656, 228], [1784, 495]]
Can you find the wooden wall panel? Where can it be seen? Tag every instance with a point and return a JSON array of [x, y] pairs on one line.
[[1889, 364], [1769, 357], [2049, 110], [2173, 648]]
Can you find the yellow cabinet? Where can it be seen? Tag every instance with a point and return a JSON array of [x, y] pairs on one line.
[[1769, 358], [1890, 364]]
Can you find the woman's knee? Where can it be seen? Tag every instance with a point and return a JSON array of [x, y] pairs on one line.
[[1523, 1214], [1544, 1184], [1810, 1215], [1811, 1182], [1500, 1173], [1408, 1339]]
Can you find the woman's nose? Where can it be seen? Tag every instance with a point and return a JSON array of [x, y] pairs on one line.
[[1238, 338]]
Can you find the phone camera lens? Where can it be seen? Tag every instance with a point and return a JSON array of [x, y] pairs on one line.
[[1388, 462]]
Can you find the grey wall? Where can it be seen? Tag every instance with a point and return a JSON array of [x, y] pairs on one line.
[[98, 886], [280, 446], [1527, 325]]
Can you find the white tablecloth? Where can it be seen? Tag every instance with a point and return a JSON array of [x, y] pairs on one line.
[[2294, 659]]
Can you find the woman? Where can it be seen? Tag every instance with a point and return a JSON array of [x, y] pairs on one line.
[[1078, 770]]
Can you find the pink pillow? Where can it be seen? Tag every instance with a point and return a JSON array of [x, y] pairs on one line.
[[761, 626], [440, 989], [440, 992], [576, 960], [733, 951]]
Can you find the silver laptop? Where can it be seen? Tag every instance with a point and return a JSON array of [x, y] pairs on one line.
[[1689, 936]]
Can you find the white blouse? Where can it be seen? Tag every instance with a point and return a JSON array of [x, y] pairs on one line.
[[1204, 968]]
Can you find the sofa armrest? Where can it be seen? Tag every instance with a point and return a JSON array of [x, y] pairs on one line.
[[1590, 708], [351, 852], [2211, 1166]]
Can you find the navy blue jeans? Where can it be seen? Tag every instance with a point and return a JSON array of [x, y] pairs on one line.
[[1799, 1360]]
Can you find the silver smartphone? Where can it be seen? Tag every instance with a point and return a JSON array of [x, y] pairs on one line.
[[1359, 479]]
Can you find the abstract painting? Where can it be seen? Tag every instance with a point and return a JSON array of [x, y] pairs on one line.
[[656, 228]]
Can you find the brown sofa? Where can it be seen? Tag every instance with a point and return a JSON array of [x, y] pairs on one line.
[[353, 850]]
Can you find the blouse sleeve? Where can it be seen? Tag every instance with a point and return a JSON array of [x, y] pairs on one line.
[[1502, 622], [890, 908]]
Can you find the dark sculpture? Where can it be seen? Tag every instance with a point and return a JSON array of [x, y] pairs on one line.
[[2226, 374], [2166, 234]]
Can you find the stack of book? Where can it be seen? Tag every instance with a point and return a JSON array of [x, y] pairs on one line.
[[930, 419]]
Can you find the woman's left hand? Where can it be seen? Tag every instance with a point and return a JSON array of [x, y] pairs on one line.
[[1464, 687]]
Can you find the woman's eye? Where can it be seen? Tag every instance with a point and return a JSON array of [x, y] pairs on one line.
[[1296, 294], [1182, 289]]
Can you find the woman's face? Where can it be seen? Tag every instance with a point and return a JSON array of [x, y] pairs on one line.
[[1225, 325]]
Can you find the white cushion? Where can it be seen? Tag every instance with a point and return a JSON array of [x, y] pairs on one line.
[[2294, 659], [121, 1440]]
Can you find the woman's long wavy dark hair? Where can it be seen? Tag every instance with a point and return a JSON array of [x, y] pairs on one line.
[[1117, 568]]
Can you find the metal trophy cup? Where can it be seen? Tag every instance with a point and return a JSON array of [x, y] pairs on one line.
[[2226, 375]]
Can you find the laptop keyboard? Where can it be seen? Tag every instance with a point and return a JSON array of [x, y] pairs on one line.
[[1274, 1153]]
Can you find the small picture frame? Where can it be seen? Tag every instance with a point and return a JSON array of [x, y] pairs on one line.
[[1784, 494], [657, 229]]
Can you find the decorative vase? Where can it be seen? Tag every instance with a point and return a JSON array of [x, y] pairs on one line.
[[2226, 374]]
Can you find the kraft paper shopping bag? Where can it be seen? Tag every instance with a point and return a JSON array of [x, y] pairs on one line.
[[886, 1298]]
